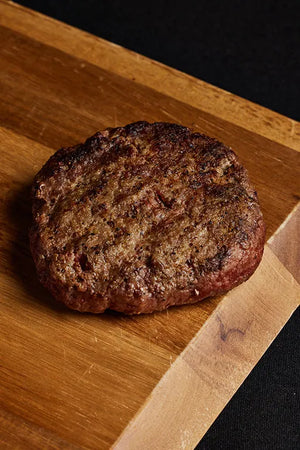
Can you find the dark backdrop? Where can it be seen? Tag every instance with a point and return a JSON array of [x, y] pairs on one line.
[[249, 48]]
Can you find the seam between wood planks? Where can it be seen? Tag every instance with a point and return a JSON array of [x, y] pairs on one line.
[[152, 74]]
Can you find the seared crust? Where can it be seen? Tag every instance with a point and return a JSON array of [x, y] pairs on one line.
[[142, 217]]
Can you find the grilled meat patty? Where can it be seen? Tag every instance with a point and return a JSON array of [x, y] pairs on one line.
[[142, 217]]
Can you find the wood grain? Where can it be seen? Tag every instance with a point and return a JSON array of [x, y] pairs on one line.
[[71, 380]]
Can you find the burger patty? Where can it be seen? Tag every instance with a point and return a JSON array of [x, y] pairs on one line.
[[142, 217]]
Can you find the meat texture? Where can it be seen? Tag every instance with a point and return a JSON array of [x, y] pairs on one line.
[[142, 217]]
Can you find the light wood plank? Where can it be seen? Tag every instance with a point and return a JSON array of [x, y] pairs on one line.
[[216, 362]]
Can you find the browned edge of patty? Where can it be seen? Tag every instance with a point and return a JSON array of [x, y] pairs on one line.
[[164, 179]]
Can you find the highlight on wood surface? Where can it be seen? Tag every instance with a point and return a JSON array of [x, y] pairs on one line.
[[88, 381]]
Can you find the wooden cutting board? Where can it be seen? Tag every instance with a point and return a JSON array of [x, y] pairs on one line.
[[71, 380]]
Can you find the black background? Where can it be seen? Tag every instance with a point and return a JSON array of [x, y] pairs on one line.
[[249, 48]]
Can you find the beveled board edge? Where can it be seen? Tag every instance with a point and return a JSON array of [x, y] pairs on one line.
[[216, 362], [153, 74]]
